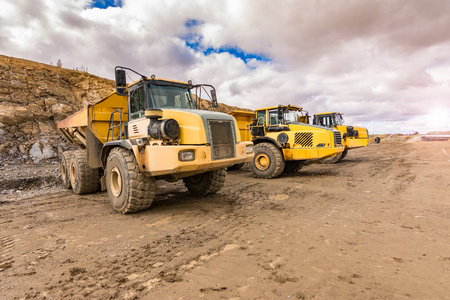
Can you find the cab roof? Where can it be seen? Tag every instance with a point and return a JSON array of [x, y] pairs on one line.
[[159, 79], [289, 106], [328, 113]]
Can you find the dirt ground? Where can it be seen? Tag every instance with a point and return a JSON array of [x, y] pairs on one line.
[[375, 226]]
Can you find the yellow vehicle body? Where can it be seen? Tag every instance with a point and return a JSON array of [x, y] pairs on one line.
[[282, 129], [152, 124], [352, 137], [353, 142], [302, 137], [243, 120]]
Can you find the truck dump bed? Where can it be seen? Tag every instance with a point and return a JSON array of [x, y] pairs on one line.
[[244, 119], [95, 119]]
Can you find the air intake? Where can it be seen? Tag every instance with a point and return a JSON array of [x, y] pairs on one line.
[[222, 138], [337, 138], [304, 139]]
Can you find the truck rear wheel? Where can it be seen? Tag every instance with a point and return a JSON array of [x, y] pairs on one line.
[[268, 161], [205, 183], [65, 169], [83, 179], [292, 166], [128, 189]]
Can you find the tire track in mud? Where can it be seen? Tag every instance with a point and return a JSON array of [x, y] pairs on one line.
[[6, 258], [162, 260], [167, 259], [39, 210], [392, 170]]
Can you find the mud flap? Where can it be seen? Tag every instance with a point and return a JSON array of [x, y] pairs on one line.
[[94, 150]]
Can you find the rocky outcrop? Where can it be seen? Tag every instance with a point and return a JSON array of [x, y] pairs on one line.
[[33, 96]]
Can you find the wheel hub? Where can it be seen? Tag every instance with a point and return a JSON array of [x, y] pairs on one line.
[[73, 172], [63, 171], [262, 161], [115, 180]]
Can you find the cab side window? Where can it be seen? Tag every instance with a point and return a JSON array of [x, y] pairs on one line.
[[261, 118], [137, 103], [273, 117]]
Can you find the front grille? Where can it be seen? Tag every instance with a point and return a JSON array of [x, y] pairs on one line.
[[337, 138], [222, 138], [305, 139]]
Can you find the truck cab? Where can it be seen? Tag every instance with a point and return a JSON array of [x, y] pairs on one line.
[[352, 137]]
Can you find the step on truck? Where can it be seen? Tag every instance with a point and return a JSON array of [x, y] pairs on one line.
[[148, 130], [283, 142], [352, 137]]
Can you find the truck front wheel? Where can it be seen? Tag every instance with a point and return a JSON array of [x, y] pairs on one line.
[[205, 183], [268, 161], [128, 189]]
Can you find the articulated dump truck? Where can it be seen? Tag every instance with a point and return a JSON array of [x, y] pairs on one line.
[[283, 142], [352, 137], [146, 131]]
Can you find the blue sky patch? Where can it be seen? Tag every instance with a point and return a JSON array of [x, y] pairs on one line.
[[103, 4], [194, 42], [238, 52], [193, 23]]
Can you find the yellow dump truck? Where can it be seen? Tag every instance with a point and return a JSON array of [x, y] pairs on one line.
[[283, 142], [352, 137], [145, 131]]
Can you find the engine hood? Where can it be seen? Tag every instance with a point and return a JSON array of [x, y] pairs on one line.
[[194, 124]]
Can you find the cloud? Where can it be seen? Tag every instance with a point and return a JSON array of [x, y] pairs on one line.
[[382, 63]]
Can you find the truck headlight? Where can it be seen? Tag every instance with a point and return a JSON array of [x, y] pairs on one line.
[[249, 149], [282, 138], [187, 155], [164, 129]]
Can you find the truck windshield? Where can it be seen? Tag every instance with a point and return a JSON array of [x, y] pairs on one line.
[[292, 116], [339, 119], [326, 120], [164, 96], [289, 117]]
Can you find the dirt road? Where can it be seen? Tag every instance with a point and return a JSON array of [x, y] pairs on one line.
[[376, 226]]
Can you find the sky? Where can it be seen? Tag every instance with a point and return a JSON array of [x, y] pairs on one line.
[[384, 64]]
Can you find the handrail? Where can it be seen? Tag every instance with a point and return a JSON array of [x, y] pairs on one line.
[[111, 125]]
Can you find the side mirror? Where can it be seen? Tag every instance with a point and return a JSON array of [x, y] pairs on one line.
[[121, 83], [280, 114], [214, 99]]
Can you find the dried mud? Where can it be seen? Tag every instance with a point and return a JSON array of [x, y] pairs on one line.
[[375, 226]]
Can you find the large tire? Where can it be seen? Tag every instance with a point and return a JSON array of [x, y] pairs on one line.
[[205, 183], [65, 169], [128, 189], [292, 166], [83, 179], [268, 161]]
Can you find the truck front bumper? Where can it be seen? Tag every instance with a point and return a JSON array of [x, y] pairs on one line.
[[352, 143], [165, 160], [314, 153]]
